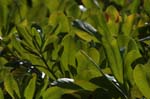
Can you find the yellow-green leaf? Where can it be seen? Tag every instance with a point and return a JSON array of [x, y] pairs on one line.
[[53, 93], [11, 86], [142, 79]]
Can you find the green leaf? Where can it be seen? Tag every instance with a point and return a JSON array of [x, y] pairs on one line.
[[85, 36], [58, 18], [131, 54], [110, 79], [24, 33], [36, 38], [89, 3], [87, 28], [70, 49], [53, 93], [114, 58], [11, 86], [30, 89], [119, 2], [146, 6], [113, 20], [43, 89], [128, 24], [4, 12], [52, 5], [86, 70], [134, 5], [142, 78], [73, 10], [1, 94], [86, 84], [129, 59]]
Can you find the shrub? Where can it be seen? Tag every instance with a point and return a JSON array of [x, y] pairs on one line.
[[72, 49]]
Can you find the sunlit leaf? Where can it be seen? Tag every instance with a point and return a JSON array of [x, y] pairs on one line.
[[70, 46], [53, 93], [113, 20], [142, 78], [114, 58], [83, 35], [128, 24], [130, 57], [89, 3], [86, 70], [58, 18]]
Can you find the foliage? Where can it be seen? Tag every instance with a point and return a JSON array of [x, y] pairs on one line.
[[72, 49]]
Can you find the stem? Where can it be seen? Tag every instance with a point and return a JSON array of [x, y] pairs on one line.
[[51, 71]]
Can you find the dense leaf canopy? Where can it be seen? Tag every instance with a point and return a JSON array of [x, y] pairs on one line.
[[74, 49]]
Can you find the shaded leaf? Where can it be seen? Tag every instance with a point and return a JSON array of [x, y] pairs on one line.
[[31, 87], [1, 94], [146, 6], [119, 2]]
